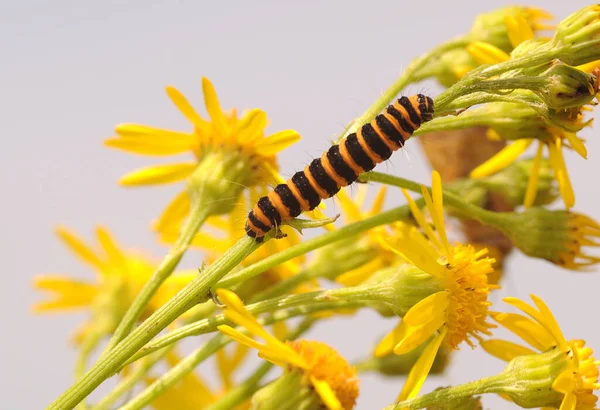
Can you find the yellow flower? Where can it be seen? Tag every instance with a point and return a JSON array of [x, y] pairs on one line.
[[230, 153], [120, 275], [578, 380], [320, 368], [452, 315]]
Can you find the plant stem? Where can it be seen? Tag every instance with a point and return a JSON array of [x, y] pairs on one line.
[[463, 207], [302, 248], [294, 305], [198, 214], [449, 394], [185, 367], [129, 382], [88, 345], [409, 76], [195, 292]]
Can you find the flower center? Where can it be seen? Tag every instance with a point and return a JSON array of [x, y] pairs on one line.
[[326, 364], [467, 285]]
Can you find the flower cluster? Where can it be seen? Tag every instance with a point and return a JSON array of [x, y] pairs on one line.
[[406, 262]]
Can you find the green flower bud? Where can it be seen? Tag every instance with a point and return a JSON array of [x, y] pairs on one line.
[[557, 236], [511, 182], [567, 87], [577, 37]]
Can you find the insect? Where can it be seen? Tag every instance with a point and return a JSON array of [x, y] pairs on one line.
[[340, 165]]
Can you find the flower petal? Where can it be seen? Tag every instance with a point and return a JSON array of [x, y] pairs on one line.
[[277, 142], [186, 108], [534, 176], [518, 29], [80, 248], [502, 159], [158, 174], [377, 206], [550, 322], [421, 221], [485, 53], [561, 174], [438, 211], [154, 145], [213, 107], [569, 402], [505, 350], [350, 209], [110, 246], [389, 341], [424, 310], [174, 214], [564, 382], [69, 294], [576, 144], [531, 332], [421, 368], [326, 394]]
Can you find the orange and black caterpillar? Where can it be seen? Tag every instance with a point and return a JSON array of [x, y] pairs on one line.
[[340, 165]]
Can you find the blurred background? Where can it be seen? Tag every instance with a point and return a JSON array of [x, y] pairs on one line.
[[72, 70]]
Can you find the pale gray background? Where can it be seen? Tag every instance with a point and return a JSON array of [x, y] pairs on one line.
[[71, 70]]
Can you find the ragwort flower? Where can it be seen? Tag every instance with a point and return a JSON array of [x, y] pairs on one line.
[[315, 375], [455, 313], [120, 275], [230, 154], [577, 376]]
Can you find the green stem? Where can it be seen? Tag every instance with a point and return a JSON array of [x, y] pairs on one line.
[[198, 214], [86, 349], [294, 305], [302, 248], [449, 394], [129, 381], [195, 292], [409, 76], [176, 373], [463, 207], [185, 367]]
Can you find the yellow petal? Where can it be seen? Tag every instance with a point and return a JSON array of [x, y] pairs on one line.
[[389, 341], [251, 126], [154, 145], [110, 246], [417, 335], [557, 162], [350, 210], [377, 205], [502, 159], [80, 248], [438, 211], [518, 29], [68, 294], [421, 220], [589, 67], [424, 310], [564, 382], [421, 368], [505, 350], [569, 402], [158, 174], [550, 322], [416, 249], [577, 144], [239, 336], [213, 107], [326, 394], [186, 108], [174, 214], [277, 142], [531, 332], [534, 176], [485, 53]]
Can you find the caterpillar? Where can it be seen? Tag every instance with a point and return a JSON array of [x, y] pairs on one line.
[[340, 165]]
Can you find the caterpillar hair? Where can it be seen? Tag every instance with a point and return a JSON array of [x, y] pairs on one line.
[[340, 165]]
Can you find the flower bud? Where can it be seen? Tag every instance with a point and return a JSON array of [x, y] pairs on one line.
[[567, 87], [557, 236], [511, 182], [578, 36]]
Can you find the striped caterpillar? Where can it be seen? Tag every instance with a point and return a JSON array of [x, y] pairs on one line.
[[340, 165]]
